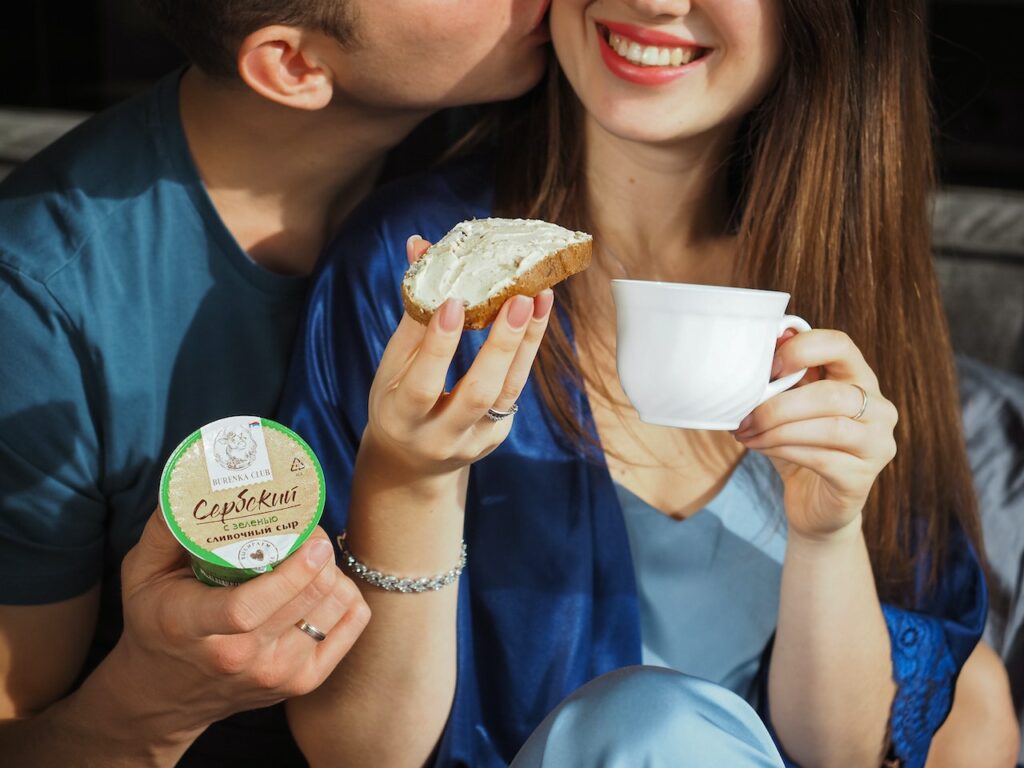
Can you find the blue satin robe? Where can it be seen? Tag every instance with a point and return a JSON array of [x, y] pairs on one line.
[[548, 600]]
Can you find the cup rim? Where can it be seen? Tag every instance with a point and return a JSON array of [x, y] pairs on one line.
[[684, 287]]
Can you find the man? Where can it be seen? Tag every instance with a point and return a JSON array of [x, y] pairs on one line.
[[152, 267]]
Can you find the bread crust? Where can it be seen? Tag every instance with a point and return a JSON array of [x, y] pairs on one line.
[[551, 270]]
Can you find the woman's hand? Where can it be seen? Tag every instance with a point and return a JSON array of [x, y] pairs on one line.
[[417, 428], [827, 458], [406, 517]]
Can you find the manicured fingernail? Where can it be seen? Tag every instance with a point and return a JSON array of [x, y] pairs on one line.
[[744, 424], [318, 553], [542, 304], [776, 366], [451, 316], [411, 240], [519, 312]]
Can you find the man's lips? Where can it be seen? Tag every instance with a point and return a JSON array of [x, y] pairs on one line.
[[541, 13]]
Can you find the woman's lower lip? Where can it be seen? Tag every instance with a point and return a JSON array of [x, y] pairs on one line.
[[637, 74]]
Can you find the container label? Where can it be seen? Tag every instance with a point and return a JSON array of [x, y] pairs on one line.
[[236, 453], [241, 494]]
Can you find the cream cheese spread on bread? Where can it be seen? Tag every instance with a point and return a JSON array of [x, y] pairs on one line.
[[483, 257]]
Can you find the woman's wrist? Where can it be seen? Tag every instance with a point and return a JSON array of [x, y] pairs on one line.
[[379, 472], [815, 542], [404, 523]]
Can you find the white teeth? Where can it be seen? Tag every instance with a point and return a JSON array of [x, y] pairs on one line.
[[649, 56]]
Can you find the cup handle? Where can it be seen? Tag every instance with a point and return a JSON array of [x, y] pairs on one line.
[[781, 385]]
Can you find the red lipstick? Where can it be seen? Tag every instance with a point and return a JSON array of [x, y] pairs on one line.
[[634, 73], [646, 36]]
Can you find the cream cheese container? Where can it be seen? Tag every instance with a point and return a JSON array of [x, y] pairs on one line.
[[241, 494]]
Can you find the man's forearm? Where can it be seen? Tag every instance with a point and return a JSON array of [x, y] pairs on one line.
[[108, 722]]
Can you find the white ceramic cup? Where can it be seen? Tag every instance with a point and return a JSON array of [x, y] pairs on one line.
[[699, 356]]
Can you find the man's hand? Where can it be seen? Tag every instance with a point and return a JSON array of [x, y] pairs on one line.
[[208, 652], [189, 655]]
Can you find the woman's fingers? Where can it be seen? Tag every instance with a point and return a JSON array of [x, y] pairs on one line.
[[422, 384], [838, 468], [415, 247], [415, 364], [816, 400], [833, 351], [519, 371], [837, 433], [482, 384], [401, 348]]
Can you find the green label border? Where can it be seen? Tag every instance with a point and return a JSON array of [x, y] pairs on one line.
[[206, 555]]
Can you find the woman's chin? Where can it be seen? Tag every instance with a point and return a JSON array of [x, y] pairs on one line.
[[642, 127]]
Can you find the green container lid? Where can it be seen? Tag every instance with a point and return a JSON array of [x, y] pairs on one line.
[[241, 494]]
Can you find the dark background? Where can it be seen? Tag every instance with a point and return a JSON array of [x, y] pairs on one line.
[[89, 54]]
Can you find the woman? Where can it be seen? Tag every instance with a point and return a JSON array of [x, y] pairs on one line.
[[743, 142]]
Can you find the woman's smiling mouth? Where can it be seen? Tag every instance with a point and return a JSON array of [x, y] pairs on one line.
[[645, 56], [628, 42], [650, 56]]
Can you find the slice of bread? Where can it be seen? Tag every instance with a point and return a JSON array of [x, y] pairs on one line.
[[484, 262]]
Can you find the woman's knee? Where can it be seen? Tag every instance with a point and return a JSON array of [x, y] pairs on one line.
[[982, 727], [654, 717]]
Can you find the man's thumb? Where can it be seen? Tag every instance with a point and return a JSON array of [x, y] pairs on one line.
[[156, 554]]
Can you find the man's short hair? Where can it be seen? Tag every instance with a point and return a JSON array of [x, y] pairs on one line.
[[209, 32]]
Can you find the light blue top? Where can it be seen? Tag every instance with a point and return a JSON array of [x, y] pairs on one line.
[[709, 585]]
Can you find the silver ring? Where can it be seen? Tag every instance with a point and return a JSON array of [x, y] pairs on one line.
[[864, 402], [494, 415], [309, 629]]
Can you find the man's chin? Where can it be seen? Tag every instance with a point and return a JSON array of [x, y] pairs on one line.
[[516, 81]]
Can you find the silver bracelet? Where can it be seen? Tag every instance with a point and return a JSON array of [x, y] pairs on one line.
[[396, 583]]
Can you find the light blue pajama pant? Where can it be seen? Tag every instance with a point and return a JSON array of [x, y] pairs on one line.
[[650, 717]]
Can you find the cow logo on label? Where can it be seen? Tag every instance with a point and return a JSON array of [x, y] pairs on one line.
[[234, 449]]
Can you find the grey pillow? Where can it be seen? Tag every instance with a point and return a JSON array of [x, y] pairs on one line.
[[993, 418], [978, 235]]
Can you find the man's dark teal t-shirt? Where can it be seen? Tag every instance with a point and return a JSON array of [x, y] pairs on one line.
[[129, 317]]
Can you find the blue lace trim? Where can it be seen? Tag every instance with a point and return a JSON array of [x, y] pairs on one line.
[[924, 671]]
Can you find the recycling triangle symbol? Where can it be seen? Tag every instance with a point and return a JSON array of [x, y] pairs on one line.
[[297, 465]]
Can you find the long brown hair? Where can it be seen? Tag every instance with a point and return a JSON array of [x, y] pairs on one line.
[[832, 172]]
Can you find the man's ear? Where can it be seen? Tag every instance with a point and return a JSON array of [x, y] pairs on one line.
[[283, 64]]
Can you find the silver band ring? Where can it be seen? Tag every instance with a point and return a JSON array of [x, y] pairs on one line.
[[309, 629], [864, 402], [494, 415]]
